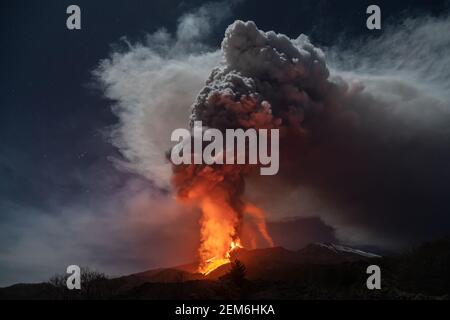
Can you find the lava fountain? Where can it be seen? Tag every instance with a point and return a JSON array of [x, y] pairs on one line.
[[217, 191]]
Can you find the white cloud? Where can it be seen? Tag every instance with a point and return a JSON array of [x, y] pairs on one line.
[[153, 86]]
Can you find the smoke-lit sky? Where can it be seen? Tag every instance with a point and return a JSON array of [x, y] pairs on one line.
[[68, 195]]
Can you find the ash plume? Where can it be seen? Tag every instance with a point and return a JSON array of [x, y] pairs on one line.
[[364, 138]]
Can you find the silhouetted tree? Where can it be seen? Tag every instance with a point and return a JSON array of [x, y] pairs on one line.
[[93, 285], [237, 273]]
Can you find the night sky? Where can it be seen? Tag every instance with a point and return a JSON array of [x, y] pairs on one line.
[[55, 159]]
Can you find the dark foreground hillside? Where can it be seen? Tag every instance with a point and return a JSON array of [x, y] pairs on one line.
[[319, 271]]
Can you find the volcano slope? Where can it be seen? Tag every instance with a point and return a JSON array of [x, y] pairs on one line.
[[318, 271]]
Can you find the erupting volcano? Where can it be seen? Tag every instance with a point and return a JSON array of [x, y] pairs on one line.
[[240, 95], [244, 92]]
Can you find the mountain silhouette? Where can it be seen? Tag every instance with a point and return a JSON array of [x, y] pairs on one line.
[[317, 271]]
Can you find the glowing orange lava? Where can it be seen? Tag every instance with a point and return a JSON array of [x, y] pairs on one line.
[[214, 263], [218, 193], [218, 232]]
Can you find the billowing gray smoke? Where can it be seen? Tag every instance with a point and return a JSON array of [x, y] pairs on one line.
[[264, 75], [379, 160], [365, 141]]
